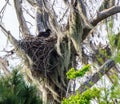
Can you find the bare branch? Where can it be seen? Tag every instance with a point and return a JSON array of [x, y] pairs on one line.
[[101, 16], [8, 53], [3, 10], [20, 52], [29, 13], [21, 19], [41, 16], [9, 36], [104, 14], [94, 78]]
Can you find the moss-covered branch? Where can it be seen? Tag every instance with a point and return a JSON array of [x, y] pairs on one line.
[[21, 19], [96, 76]]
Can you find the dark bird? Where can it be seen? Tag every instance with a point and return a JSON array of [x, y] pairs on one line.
[[44, 34]]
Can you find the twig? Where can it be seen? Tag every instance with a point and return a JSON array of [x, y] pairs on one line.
[[28, 13], [4, 30], [3, 9], [64, 15]]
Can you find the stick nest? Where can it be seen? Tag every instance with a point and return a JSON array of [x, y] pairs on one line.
[[40, 50]]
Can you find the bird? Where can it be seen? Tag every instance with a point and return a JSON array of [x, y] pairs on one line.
[[45, 33]]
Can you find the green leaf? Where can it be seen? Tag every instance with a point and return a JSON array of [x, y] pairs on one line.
[[72, 73]]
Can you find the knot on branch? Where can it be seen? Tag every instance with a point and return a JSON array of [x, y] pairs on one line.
[[40, 50]]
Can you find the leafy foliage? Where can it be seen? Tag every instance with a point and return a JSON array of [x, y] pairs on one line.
[[14, 90], [72, 73], [102, 95], [83, 98]]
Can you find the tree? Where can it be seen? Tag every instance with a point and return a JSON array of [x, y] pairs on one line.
[[50, 58], [14, 90]]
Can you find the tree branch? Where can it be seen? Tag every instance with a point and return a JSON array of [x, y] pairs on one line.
[[9, 36], [52, 17], [104, 14], [20, 52], [42, 17], [82, 12], [21, 19], [94, 78], [101, 16], [4, 7]]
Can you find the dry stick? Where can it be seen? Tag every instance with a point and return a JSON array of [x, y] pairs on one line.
[[95, 77], [3, 9]]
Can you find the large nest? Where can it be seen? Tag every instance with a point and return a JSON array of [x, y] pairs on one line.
[[39, 49]]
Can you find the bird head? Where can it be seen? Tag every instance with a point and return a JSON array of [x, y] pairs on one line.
[[48, 31]]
